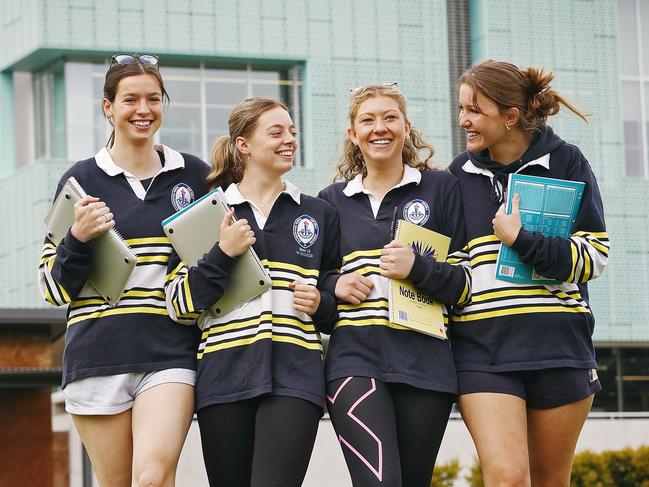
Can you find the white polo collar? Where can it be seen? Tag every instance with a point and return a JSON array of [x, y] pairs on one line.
[[469, 167], [173, 160], [355, 186], [234, 196]]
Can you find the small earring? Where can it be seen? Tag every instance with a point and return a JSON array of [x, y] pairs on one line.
[[507, 127]]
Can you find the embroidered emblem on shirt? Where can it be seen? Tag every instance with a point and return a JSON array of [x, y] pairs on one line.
[[416, 211], [181, 196], [305, 231]]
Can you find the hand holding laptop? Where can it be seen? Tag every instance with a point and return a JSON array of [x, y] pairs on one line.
[[236, 235]]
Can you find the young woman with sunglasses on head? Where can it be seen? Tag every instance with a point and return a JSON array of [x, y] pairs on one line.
[[128, 370], [260, 384], [525, 359], [389, 389]]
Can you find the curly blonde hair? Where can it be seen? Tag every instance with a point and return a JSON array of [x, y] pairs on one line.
[[352, 163]]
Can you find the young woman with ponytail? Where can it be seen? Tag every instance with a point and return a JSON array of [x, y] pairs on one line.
[[524, 354], [260, 384], [128, 370], [390, 389]]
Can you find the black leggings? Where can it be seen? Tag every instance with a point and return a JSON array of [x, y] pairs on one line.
[[390, 433], [261, 442]]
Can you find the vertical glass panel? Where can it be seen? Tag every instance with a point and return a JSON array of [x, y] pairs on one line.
[[183, 91], [181, 129], [606, 400], [632, 135], [644, 35], [226, 94], [628, 37], [635, 376], [24, 110]]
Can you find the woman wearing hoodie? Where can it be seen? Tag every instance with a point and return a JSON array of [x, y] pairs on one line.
[[524, 354]]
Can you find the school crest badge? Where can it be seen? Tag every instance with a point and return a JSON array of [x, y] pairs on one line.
[[416, 211], [305, 231], [181, 196]]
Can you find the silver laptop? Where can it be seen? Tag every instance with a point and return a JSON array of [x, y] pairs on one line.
[[194, 230], [111, 260]]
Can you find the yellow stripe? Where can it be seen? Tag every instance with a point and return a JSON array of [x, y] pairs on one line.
[[50, 262], [306, 327], [573, 251], [465, 293], [290, 267], [144, 294], [128, 294], [148, 241], [362, 253], [235, 326], [117, 311], [480, 240], [297, 341], [188, 295], [281, 282], [173, 273], [603, 249], [367, 269], [49, 298], [236, 343], [162, 259], [587, 266], [484, 258], [66, 296], [364, 304], [523, 292], [49, 246], [518, 311], [370, 322], [598, 235]]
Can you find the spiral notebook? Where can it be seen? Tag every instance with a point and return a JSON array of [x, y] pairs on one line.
[[408, 306], [111, 259], [195, 229]]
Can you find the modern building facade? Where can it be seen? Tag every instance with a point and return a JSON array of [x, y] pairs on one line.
[[310, 54]]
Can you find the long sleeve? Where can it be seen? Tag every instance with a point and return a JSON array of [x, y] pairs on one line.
[[584, 255], [326, 315], [450, 281], [190, 290]]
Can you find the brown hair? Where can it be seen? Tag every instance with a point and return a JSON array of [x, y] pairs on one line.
[[508, 86], [351, 162], [227, 165], [117, 73]]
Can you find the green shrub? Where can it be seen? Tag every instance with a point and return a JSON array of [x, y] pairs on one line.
[[445, 475], [614, 468]]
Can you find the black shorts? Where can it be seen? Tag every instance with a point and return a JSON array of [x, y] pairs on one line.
[[541, 389]]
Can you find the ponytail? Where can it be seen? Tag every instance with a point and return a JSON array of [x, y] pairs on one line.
[[227, 167]]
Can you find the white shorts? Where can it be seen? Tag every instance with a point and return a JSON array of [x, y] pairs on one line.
[[114, 394]]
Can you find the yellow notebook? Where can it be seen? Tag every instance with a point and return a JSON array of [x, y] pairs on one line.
[[408, 306]]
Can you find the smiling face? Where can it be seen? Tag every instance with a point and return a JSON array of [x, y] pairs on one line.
[[136, 110], [379, 130], [272, 145], [484, 124]]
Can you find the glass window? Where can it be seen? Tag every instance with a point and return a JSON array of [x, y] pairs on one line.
[[632, 133], [628, 37], [624, 375], [202, 97], [634, 77]]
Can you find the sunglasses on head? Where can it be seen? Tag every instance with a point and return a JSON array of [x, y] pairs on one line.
[[393, 85], [125, 59]]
